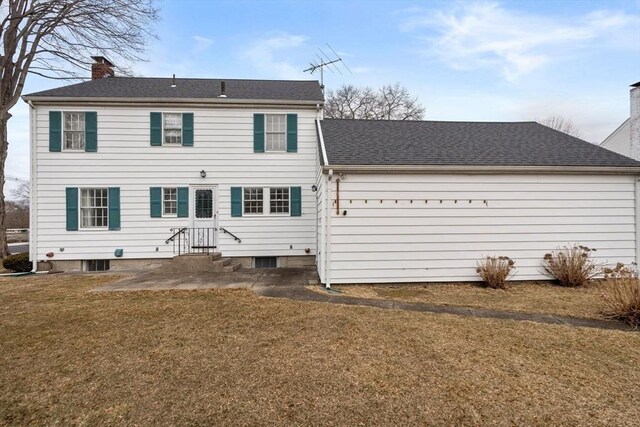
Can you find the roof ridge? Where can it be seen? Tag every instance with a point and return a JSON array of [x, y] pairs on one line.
[[430, 121]]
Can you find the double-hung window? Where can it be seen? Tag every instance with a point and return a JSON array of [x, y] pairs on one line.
[[276, 132], [73, 130], [170, 202], [94, 208], [279, 200], [253, 200], [172, 126]]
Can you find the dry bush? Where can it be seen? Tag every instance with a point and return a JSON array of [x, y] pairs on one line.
[[571, 265], [622, 295], [495, 271]]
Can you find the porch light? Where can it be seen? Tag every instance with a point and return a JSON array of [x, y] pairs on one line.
[[314, 188], [203, 173]]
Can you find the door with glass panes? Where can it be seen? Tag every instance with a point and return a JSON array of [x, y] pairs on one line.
[[203, 219]]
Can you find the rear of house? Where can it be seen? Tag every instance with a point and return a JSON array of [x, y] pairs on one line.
[[130, 171]]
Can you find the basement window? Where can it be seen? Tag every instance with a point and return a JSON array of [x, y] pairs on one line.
[[265, 262], [96, 265]]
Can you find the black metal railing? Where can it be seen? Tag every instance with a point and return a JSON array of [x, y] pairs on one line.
[[187, 240], [225, 231]]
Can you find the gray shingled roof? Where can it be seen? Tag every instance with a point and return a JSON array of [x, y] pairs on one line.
[[145, 87], [389, 142]]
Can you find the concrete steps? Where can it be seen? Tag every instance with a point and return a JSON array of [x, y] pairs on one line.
[[200, 263]]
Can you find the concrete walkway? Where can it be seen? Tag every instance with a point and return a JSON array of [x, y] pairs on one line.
[[291, 283], [304, 294]]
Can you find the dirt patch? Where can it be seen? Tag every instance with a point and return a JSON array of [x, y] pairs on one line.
[[529, 297], [228, 357]]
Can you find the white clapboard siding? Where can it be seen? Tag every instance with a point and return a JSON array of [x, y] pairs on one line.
[[223, 147], [620, 140], [417, 228]]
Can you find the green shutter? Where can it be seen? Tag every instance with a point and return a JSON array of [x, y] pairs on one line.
[[292, 133], [156, 128], [55, 131], [187, 129], [91, 131], [114, 208], [155, 195], [296, 201], [236, 201], [258, 133], [183, 202], [72, 208]]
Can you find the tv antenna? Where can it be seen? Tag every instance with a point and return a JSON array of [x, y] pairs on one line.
[[323, 60]]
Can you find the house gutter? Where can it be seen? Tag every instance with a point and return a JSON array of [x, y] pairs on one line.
[[637, 220], [474, 170], [33, 190], [327, 254]]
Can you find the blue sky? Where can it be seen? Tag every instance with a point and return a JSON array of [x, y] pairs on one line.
[[465, 60]]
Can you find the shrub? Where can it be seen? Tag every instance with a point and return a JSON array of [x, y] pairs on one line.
[[18, 263], [622, 294], [571, 265], [495, 271]]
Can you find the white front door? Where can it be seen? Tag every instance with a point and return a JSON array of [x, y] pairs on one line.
[[203, 213]]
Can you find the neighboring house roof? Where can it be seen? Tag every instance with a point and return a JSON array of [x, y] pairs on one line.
[[435, 143], [144, 87]]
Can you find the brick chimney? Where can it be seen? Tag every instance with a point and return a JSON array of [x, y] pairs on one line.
[[101, 67], [634, 120]]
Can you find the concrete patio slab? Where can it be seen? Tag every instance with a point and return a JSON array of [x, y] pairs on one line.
[[241, 279]]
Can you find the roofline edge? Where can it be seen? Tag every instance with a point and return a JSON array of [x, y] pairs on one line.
[[494, 170], [125, 100]]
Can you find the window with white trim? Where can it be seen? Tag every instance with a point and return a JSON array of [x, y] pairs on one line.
[[279, 200], [276, 132], [169, 202], [253, 200], [172, 127], [94, 208], [73, 130]]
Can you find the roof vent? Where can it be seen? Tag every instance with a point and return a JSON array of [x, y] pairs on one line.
[[222, 90], [173, 82]]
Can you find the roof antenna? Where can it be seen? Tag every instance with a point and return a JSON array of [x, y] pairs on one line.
[[323, 61], [173, 82]]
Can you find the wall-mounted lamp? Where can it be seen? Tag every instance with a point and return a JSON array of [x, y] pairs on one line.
[[203, 173], [314, 188]]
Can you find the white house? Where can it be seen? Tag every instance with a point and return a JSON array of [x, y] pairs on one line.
[[131, 171], [625, 139]]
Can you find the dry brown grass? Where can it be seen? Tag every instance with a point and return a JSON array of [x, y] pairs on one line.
[[232, 358], [528, 297]]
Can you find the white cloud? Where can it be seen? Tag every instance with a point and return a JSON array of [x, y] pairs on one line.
[[487, 35], [202, 43], [270, 54]]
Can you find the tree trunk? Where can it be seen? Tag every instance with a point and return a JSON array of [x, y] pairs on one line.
[[4, 145]]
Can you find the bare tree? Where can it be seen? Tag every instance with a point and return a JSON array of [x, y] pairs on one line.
[[22, 194], [562, 124], [53, 39], [390, 102]]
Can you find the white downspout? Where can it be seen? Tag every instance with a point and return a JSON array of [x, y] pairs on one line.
[[327, 254], [33, 190], [637, 220]]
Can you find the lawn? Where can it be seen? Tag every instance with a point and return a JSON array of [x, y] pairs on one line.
[[229, 357], [529, 297]]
